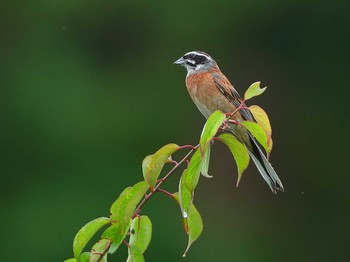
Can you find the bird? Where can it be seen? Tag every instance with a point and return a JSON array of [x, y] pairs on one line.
[[210, 90]]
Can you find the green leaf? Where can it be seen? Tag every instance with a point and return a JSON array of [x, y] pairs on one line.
[[114, 247], [194, 227], [193, 171], [70, 260], [257, 132], [152, 166], [116, 233], [238, 151], [145, 163], [254, 90], [135, 255], [263, 120], [86, 233], [205, 164], [84, 257], [123, 208], [98, 248], [185, 199], [210, 129], [142, 227], [121, 212]]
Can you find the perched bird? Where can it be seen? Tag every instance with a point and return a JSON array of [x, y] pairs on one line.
[[210, 90]]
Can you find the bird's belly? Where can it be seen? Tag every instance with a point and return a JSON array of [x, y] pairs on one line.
[[206, 95]]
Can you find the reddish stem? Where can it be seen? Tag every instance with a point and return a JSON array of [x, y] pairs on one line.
[[173, 161], [166, 193], [156, 188], [104, 251], [186, 146]]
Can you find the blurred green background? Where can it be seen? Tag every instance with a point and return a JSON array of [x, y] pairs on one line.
[[88, 89]]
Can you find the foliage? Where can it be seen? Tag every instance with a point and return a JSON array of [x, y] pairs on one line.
[[125, 223]]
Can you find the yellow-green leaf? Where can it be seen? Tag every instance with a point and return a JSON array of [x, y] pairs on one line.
[[70, 260], [185, 195], [142, 232], [86, 233], [194, 224], [254, 90], [263, 120], [210, 129], [123, 208], [116, 233], [257, 131], [153, 165], [205, 164], [238, 151], [193, 170], [135, 255], [145, 163], [84, 257], [98, 248]]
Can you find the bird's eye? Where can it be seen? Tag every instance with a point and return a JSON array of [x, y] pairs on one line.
[[191, 56]]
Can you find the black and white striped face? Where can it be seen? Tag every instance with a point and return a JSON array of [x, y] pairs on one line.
[[196, 61]]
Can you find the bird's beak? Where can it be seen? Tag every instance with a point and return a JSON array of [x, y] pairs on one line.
[[180, 61]]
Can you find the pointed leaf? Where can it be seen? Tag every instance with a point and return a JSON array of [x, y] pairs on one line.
[[135, 255], [141, 237], [116, 233], [123, 208], [205, 164], [98, 248], [263, 120], [193, 170], [261, 117], [154, 167], [177, 196], [254, 90], [84, 257], [70, 260], [86, 233], [257, 132], [194, 224], [121, 212], [115, 245], [185, 199], [145, 163], [238, 151], [210, 129]]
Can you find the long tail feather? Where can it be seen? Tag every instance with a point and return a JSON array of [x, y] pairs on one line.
[[264, 167]]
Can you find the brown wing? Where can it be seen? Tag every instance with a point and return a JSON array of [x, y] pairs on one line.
[[231, 94]]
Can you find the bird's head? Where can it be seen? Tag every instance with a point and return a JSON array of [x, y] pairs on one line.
[[196, 61]]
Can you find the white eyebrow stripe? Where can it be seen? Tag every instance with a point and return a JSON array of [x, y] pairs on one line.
[[200, 54]]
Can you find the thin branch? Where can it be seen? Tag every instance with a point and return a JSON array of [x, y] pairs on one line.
[[241, 106], [156, 188], [166, 193], [104, 251]]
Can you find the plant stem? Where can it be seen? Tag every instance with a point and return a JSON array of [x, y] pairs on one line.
[[241, 106], [104, 251], [166, 193], [156, 188]]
